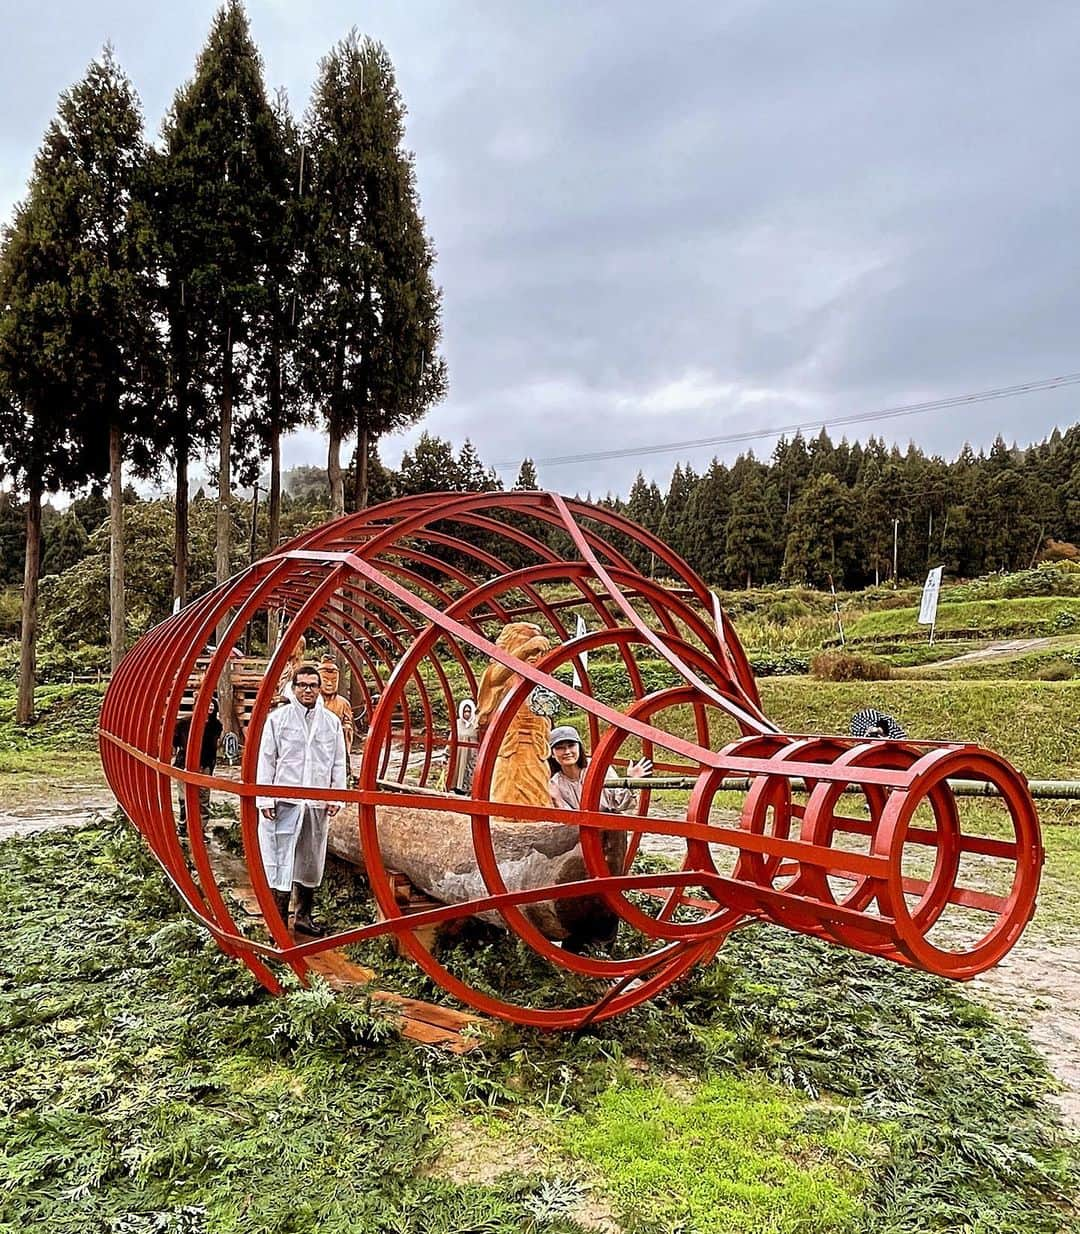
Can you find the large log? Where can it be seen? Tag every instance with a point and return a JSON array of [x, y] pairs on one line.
[[434, 850]]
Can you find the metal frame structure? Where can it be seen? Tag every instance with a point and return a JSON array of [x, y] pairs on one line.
[[411, 595]]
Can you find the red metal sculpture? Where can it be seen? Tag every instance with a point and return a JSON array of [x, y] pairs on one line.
[[411, 595]]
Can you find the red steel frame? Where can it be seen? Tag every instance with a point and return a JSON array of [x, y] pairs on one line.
[[405, 592]]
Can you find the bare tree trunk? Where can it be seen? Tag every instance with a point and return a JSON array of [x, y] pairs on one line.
[[253, 538], [24, 708], [273, 504], [117, 614], [334, 435], [1038, 545], [273, 514], [224, 529], [180, 525], [273, 501], [181, 442], [360, 492], [334, 473], [224, 513], [273, 496]]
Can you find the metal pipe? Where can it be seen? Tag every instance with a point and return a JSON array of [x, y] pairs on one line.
[[1046, 790]]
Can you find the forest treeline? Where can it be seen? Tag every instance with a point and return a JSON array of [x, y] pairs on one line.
[[814, 509], [199, 296], [863, 513]]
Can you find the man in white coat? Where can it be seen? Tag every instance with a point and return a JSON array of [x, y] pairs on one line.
[[302, 744]]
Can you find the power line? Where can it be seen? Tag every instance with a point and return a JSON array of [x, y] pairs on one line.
[[886, 413]]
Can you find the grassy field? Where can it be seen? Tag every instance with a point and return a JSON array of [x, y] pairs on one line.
[[1032, 617], [1036, 725], [54, 760]]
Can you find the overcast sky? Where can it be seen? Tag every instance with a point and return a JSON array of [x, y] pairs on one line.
[[661, 222]]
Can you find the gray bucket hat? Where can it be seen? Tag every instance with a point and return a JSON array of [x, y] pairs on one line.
[[565, 732]]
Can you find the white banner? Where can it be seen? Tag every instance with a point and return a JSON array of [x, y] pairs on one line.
[[579, 632], [928, 609]]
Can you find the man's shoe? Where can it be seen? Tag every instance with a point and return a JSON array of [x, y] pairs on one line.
[[305, 925], [303, 922]]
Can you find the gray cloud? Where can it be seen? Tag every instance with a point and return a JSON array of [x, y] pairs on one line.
[[663, 222]]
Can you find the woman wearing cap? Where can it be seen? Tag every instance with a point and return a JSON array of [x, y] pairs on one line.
[[568, 763]]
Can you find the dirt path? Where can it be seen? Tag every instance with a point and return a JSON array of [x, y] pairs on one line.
[[996, 651], [51, 814], [1037, 986]]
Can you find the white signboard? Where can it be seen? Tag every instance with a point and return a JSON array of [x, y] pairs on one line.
[[579, 632], [928, 609]]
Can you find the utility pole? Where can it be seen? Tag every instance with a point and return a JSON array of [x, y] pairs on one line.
[[895, 553]]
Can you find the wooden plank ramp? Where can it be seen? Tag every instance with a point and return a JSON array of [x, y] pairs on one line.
[[427, 1023]]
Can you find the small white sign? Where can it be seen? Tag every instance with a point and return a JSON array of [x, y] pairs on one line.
[[928, 608], [580, 630]]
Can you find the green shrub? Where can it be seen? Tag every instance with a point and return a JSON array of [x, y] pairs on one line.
[[778, 664], [57, 664], [10, 612], [1056, 670], [784, 610], [839, 666]]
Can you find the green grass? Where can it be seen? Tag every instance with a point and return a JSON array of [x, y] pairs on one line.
[[918, 652], [146, 1084], [1059, 896], [732, 1158], [45, 761], [1031, 616], [66, 719], [1035, 725]]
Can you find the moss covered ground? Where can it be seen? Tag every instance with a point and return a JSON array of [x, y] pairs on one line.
[[147, 1085]]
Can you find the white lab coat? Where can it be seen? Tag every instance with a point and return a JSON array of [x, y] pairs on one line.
[[298, 749]]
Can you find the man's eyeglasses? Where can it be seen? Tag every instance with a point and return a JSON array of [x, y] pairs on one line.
[[306, 685]]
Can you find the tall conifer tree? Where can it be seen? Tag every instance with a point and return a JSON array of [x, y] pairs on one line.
[[707, 512], [279, 405], [220, 201], [527, 480], [77, 341], [750, 538], [108, 297], [372, 309], [37, 450]]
